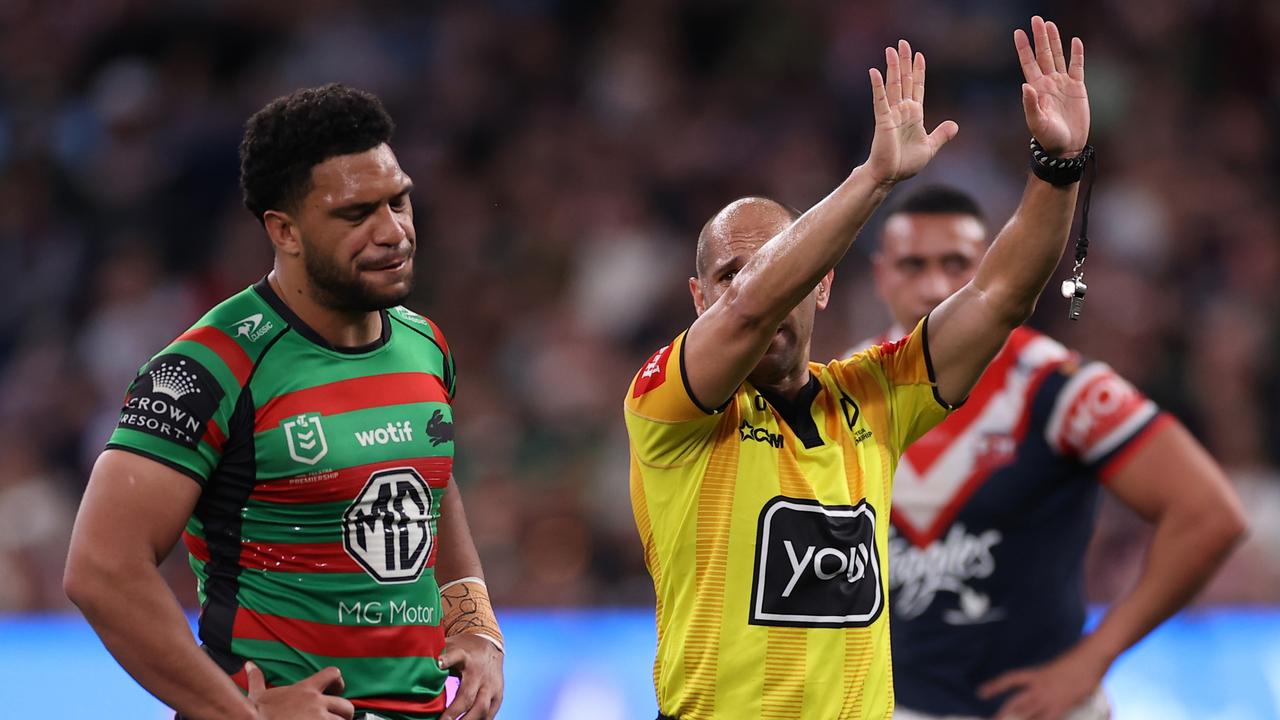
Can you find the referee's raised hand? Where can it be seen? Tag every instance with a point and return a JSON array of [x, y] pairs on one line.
[[901, 146], [1053, 96]]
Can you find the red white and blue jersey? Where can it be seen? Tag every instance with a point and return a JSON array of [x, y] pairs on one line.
[[992, 512]]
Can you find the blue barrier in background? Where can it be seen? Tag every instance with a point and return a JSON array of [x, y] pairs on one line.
[[596, 665]]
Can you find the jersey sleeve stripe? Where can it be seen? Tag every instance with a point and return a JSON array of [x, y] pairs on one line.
[[1124, 432], [172, 464], [358, 393], [346, 483], [1121, 457], [435, 329], [684, 379], [222, 345], [928, 366], [340, 640]]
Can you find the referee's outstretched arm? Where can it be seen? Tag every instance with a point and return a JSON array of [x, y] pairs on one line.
[[969, 328], [748, 287]]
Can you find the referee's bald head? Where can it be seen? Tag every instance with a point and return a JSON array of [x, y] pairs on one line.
[[753, 216]]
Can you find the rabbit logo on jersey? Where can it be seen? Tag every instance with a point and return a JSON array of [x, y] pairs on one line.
[[816, 565], [387, 528]]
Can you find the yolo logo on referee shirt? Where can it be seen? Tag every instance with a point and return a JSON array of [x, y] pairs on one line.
[[387, 528], [305, 436], [816, 565]]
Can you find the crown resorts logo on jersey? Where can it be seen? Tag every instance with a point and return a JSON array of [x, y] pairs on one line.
[[387, 528], [305, 437], [816, 565], [654, 372], [252, 327], [174, 398]]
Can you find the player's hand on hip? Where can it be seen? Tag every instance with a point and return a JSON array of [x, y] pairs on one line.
[[901, 147], [1049, 691], [1053, 96], [314, 698], [479, 664]]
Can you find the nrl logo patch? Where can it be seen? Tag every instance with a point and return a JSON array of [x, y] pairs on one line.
[[305, 437]]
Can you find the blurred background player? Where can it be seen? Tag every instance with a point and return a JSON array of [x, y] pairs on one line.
[[993, 509], [299, 439], [761, 481]]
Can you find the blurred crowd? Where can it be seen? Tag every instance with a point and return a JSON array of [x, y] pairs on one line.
[[566, 154]]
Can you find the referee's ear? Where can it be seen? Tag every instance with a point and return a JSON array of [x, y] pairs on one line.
[[283, 232]]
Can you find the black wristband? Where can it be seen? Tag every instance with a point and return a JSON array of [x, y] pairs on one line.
[[1058, 171]]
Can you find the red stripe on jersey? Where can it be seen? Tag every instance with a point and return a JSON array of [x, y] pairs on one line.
[[444, 344], [347, 483], [196, 546], [213, 435], [297, 557], [225, 347], [924, 452], [355, 394], [340, 640], [1130, 448], [417, 707]]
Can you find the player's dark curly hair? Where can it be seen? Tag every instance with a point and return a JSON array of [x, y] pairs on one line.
[[296, 132], [939, 200]]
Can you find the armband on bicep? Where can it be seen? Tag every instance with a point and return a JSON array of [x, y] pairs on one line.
[[466, 609]]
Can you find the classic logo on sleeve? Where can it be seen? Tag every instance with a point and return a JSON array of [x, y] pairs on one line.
[[173, 399], [817, 565], [654, 372]]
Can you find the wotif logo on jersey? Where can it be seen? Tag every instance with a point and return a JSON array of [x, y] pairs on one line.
[[305, 437], [393, 432], [252, 327]]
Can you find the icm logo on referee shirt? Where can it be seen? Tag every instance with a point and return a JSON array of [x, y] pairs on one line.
[[816, 565]]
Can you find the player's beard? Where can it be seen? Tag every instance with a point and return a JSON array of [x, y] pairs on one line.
[[347, 291]]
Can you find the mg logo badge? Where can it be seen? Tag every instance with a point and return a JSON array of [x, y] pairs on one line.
[[305, 436], [387, 528]]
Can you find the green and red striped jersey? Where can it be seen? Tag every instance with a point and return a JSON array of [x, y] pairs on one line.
[[322, 469]]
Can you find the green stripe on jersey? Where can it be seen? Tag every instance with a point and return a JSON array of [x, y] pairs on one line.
[[374, 676], [341, 598], [359, 437], [321, 366]]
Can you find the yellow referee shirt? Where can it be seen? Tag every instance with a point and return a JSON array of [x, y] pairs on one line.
[[765, 528]]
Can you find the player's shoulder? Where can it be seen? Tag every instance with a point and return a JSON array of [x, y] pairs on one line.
[[1035, 352], [420, 324], [230, 339]]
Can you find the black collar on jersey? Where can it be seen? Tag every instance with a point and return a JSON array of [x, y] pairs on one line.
[[798, 413], [268, 294]]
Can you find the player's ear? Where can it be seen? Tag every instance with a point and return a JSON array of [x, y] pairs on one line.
[[283, 232], [824, 289], [699, 301]]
